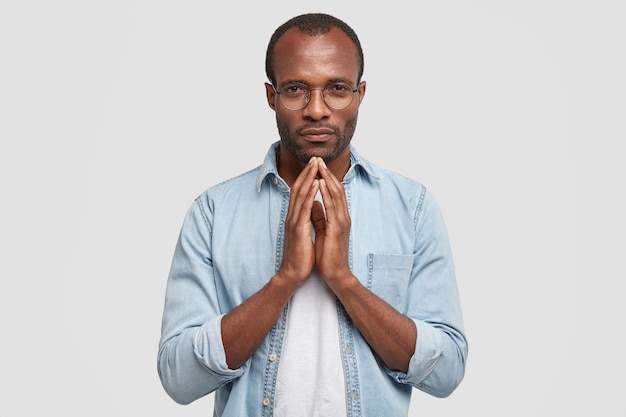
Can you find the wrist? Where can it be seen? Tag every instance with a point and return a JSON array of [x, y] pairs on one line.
[[343, 282], [284, 283]]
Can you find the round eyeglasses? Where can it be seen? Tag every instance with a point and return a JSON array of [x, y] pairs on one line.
[[337, 96]]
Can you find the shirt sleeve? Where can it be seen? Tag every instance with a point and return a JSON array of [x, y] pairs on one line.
[[438, 363], [191, 358]]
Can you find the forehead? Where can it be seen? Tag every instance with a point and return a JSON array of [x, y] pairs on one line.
[[298, 56]]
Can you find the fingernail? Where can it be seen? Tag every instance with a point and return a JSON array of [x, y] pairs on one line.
[[323, 163], [312, 159]]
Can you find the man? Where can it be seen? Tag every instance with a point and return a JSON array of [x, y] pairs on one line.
[[316, 284]]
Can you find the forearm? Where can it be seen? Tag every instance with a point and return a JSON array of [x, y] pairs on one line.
[[245, 327], [389, 333]]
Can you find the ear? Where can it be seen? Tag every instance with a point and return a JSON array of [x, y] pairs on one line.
[[361, 89], [271, 96]]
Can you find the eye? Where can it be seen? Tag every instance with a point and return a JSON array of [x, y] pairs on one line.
[[294, 90], [338, 88]]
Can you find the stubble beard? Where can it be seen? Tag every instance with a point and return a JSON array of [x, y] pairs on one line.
[[288, 139]]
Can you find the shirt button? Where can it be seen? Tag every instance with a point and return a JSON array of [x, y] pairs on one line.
[[275, 181], [272, 357], [266, 401]]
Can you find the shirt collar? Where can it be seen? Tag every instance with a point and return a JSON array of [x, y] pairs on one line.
[[269, 170]]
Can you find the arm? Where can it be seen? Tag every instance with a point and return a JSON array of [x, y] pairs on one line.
[[426, 346], [245, 327], [390, 334], [202, 348], [190, 358], [438, 365]]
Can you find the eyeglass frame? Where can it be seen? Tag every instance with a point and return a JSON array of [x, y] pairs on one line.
[[308, 96]]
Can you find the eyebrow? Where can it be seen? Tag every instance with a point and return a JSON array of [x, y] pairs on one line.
[[293, 82], [331, 81]]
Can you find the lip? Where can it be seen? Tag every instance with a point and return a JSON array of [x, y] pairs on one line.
[[317, 134]]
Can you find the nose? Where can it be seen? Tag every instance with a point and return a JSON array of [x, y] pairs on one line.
[[316, 108]]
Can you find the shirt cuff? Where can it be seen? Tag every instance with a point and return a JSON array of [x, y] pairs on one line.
[[209, 350], [427, 353]]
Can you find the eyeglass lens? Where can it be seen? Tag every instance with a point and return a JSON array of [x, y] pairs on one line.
[[336, 96]]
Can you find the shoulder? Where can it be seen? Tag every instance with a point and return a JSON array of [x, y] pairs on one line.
[[389, 181], [401, 193], [242, 181], [374, 173], [231, 189], [246, 184]]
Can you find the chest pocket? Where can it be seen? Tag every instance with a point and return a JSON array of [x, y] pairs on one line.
[[388, 277]]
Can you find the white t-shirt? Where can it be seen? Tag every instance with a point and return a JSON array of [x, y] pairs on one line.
[[310, 379]]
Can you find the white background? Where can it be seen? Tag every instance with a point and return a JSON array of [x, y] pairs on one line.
[[114, 115]]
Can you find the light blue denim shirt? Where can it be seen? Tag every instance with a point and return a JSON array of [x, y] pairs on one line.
[[231, 244]]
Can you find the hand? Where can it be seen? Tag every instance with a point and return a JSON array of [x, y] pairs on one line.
[[299, 253], [332, 232]]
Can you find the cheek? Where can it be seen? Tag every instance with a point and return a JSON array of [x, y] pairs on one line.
[[283, 127], [348, 120], [285, 119]]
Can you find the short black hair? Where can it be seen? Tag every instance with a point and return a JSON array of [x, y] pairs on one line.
[[312, 24]]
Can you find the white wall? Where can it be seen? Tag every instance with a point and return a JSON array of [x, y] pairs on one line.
[[114, 115]]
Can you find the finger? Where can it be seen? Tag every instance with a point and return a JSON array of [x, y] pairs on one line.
[[303, 193], [334, 185], [307, 175], [332, 192], [329, 202], [327, 174], [302, 205]]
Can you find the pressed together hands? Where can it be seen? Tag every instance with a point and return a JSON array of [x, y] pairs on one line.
[[329, 252], [389, 333]]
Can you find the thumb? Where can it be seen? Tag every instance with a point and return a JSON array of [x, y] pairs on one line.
[[317, 218]]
